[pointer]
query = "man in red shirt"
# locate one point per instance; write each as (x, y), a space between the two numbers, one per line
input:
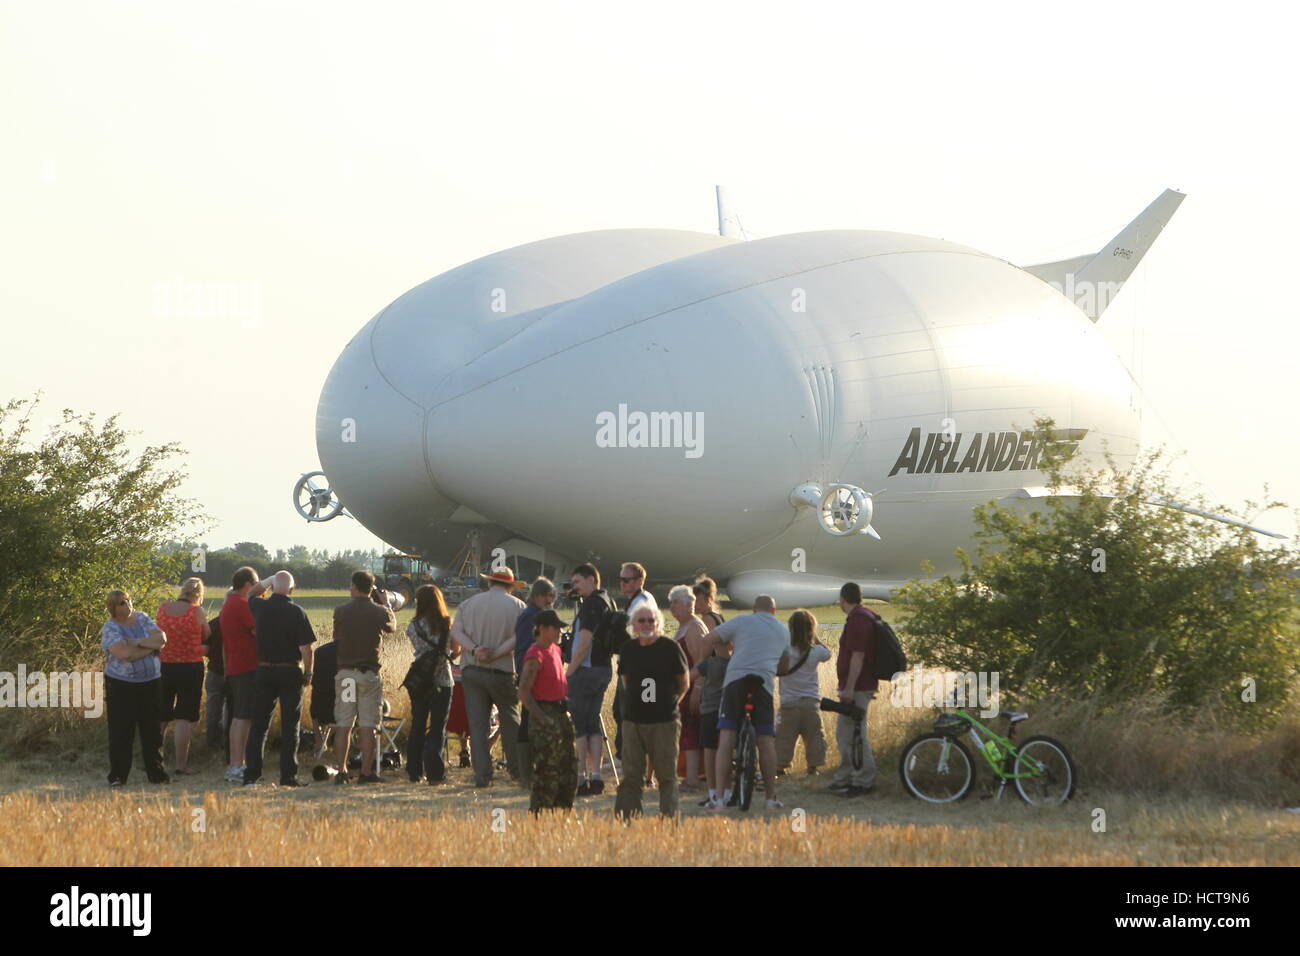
(239, 646)
(854, 668)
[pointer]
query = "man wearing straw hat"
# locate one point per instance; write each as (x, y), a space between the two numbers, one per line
(484, 627)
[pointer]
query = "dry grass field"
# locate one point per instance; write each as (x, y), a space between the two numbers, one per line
(1209, 798)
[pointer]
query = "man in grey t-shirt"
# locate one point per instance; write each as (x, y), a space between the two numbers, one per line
(760, 643)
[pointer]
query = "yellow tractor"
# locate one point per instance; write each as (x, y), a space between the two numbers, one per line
(404, 573)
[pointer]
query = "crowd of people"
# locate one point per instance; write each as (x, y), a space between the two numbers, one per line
(678, 701)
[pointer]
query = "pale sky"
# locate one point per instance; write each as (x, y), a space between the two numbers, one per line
(304, 164)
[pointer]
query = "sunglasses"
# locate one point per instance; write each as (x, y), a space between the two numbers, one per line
(645, 620)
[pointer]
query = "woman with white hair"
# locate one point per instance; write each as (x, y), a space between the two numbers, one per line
(187, 633)
(691, 637)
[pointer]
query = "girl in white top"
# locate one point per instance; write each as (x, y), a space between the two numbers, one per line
(800, 692)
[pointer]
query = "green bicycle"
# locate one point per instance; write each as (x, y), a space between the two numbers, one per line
(938, 768)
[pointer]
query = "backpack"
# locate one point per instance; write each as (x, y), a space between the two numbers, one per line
(611, 632)
(889, 659)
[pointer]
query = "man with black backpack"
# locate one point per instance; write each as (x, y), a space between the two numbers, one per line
(589, 673)
(855, 669)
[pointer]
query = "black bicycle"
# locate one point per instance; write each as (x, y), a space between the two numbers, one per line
(745, 762)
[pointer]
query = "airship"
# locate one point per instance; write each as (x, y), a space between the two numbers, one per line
(783, 414)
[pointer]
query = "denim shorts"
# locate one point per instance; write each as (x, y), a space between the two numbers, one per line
(586, 696)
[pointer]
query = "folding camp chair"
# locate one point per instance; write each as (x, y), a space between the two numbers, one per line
(389, 755)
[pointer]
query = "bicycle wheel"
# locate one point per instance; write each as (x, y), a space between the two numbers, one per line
(937, 769)
(747, 746)
(1053, 770)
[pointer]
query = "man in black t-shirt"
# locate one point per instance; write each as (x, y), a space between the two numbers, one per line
(652, 669)
(284, 645)
(589, 673)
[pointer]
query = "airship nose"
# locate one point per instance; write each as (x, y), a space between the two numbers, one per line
(370, 439)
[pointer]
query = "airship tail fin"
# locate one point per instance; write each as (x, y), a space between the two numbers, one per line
(1092, 281)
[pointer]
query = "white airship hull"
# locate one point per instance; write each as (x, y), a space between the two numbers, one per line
(666, 415)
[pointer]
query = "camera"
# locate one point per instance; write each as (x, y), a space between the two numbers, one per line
(850, 710)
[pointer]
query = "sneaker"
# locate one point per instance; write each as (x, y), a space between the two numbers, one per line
(117, 783)
(705, 802)
(714, 806)
(775, 805)
(584, 789)
(839, 785)
(234, 774)
(855, 791)
(464, 759)
(186, 772)
(249, 784)
(295, 782)
(160, 779)
(813, 772)
(596, 787)
(342, 777)
(369, 778)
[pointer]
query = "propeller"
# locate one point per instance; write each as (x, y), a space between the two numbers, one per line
(847, 509)
(314, 502)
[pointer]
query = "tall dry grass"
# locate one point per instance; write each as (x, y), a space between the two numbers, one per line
(126, 829)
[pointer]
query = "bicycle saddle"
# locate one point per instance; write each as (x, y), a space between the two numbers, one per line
(1013, 716)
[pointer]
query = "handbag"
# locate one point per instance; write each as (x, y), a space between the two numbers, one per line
(419, 679)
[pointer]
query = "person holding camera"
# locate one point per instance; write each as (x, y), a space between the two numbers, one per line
(853, 668)
(800, 713)
(543, 687)
(652, 669)
(589, 672)
(359, 628)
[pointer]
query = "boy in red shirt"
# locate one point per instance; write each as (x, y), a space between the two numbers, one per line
(543, 687)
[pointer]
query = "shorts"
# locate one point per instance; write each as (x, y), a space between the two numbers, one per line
(364, 700)
(182, 689)
(709, 730)
(733, 704)
(586, 697)
(242, 695)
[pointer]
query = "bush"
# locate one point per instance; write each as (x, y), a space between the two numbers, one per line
(1098, 592)
(79, 516)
